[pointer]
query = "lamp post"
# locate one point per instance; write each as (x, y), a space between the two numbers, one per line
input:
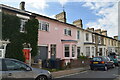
(3, 45)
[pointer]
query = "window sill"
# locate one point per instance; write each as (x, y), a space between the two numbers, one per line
(43, 30)
(68, 35)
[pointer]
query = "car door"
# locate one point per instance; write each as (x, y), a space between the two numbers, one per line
(2, 70)
(17, 70)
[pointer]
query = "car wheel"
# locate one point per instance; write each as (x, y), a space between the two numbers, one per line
(41, 78)
(105, 68)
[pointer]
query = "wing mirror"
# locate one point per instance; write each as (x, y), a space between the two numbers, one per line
(28, 69)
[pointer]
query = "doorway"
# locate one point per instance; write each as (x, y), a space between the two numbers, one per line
(53, 51)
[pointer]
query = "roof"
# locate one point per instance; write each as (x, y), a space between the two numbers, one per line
(35, 14)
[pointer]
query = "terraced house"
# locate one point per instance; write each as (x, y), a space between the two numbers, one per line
(58, 39)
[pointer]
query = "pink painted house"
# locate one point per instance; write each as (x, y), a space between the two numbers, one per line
(56, 39)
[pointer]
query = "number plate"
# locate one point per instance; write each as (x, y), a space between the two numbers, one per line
(95, 62)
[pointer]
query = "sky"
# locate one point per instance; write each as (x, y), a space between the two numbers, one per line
(96, 14)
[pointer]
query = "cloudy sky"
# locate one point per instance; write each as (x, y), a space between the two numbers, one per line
(94, 13)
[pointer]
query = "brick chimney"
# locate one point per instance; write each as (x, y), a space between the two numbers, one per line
(78, 23)
(90, 29)
(61, 16)
(116, 37)
(104, 32)
(98, 31)
(22, 5)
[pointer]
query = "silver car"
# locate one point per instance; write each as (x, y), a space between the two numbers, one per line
(11, 69)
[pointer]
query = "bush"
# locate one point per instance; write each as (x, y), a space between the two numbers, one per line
(82, 57)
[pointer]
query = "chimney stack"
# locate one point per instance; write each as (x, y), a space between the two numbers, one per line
(90, 29)
(104, 32)
(78, 23)
(98, 31)
(61, 16)
(116, 37)
(22, 5)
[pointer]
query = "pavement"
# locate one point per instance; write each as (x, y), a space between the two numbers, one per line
(62, 73)
(84, 73)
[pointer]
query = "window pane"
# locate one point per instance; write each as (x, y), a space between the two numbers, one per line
(73, 51)
(14, 65)
(66, 50)
(78, 34)
(87, 51)
(44, 26)
(87, 37)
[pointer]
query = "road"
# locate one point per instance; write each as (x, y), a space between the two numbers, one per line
(111, 74)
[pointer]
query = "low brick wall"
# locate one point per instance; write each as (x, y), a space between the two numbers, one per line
(79, 63)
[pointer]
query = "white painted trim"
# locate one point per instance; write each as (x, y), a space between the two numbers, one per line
(23, 16)
(43, 45)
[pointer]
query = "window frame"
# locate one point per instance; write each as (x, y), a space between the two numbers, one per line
(22, 25)
(73, 50)
(87, 36)
(67, 32)
(68, 51)
(44, 26)
(78, 34)
(18, 62)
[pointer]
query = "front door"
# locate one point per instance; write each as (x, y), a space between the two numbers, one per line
(42, 52)
(53, 51)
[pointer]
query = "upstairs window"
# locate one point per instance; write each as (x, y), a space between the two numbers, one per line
(93, 38)
(87, 37)
(67, 31)
(99, 39)
(22, 26)
(78, 34)
(44, 26)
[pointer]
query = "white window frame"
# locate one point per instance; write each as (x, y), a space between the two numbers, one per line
(43, 26)
(73, 50)
(78, 34)
(99, 39)
(88, 52)
(93, 38)
(66, 32)
(87, 36)
(66, 45)
(22, 25)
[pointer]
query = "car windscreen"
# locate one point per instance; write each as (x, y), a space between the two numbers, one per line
(97, 59)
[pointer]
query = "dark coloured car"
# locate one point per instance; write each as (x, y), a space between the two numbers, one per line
(101, 62)
(11, 69)
(113, 57)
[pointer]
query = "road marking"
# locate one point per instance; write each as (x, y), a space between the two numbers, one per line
(70, 74)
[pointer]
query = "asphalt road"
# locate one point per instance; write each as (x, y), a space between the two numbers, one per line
(111, 74)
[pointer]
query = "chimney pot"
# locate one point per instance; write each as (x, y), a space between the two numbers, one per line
(78, 23)
(98, 31)
(61, 16)
(104, 32)
(90, 29)
(22, 5)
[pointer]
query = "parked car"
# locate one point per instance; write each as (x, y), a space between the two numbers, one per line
(118, 58)
(101, 62)
(113, 57)
(12, 69)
